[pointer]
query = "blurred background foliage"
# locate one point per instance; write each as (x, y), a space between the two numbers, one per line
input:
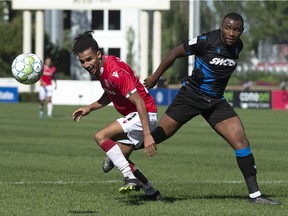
(265, 21)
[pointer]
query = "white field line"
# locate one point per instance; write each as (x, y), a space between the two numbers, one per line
(61, 182)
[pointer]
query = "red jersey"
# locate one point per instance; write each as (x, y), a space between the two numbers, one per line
(48, 73)
(119, 81)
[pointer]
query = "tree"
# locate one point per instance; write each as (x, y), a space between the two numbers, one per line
(207, 17)
(267, 22)
(11, 30)
(175, 31)
(11, 37)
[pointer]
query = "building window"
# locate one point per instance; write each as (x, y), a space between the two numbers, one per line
(114, 51)
(98, 19)
(114, 20)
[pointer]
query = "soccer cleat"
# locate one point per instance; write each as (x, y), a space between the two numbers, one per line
(263, 200)
(129, 185)
(107, 165)
(154, 197)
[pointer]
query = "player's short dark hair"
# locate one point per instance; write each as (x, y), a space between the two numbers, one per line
(234, 16)
(85, 41)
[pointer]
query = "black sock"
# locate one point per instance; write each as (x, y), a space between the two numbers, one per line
(137, 173)
(158, 135)
(248, 168)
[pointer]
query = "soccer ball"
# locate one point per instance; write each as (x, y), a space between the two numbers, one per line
(27, 68)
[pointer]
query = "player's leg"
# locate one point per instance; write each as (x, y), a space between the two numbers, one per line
(233, 132)
(113, 151)
(49, 100)
(49, 107)
(133, 129)
(182, 109)
(42, 96)
(126, 149)
(166, 128)
(150, 192)
(146, 185)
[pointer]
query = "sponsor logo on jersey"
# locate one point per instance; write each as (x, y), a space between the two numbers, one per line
(224, 62)
(203, 37)
(115, 74)
(192, 41)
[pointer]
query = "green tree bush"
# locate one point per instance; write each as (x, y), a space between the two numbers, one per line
(10, 43)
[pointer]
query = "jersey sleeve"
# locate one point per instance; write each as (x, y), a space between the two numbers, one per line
(240, 45)
(124, 82)
(196, 46)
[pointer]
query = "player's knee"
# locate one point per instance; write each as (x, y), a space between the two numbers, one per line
(245, 142)
(158, 134)
(99, 137)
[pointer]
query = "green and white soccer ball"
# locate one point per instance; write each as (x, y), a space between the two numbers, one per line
(27, 68)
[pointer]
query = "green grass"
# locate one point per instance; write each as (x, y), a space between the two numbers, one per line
(52, 166)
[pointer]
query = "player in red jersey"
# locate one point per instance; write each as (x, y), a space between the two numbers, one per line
(46, 88)
(123, 88)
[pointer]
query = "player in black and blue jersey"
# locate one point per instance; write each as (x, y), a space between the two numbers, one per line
(216, 55)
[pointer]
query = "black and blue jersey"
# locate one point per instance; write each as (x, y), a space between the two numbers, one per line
(214, 62)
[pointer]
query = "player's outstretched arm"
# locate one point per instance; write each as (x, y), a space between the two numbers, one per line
(83, 111)
(79, 113)
(166, 62)
(149, 143)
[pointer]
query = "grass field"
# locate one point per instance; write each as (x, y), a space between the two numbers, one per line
(52, 167)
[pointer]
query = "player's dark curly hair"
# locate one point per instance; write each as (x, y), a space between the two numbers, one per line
(85, 41)
(234, 16)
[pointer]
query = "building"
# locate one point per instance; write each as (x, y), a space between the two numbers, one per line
(112, 21)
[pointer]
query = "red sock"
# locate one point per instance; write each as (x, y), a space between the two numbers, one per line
(107, 145)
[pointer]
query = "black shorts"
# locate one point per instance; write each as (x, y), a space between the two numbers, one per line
(189, 103)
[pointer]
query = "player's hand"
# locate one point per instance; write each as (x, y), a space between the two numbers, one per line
(149, 82)
(150, 146)
(79, 113)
